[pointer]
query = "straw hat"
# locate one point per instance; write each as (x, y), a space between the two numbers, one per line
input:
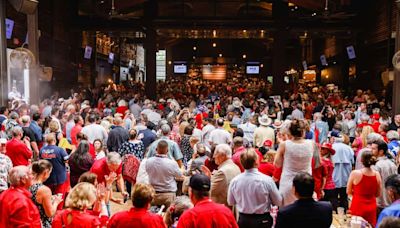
(264, 120)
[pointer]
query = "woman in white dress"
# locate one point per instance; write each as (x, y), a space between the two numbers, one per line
(294, 155)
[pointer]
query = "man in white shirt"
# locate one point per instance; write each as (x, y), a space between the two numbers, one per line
(207, 129)
(248, 130)
(220, 135)
(254, 210)
(95, 131)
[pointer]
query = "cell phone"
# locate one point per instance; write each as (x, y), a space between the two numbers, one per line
(126, 197)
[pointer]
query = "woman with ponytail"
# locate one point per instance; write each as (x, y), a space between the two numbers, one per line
(41, 194)
(364, 184)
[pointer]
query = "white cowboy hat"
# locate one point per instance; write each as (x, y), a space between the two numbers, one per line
(264, 120)
(236, 103)
(262, 100)
(277, 124)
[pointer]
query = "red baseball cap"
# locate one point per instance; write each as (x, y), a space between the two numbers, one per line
(267, 143)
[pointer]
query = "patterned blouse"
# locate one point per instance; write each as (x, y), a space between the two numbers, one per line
(46, 221)
(5, 167)
(135, 148)
(186, 149)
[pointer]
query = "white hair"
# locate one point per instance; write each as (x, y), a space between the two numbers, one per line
(114, 158)
(392, 135)
(17, 174)
(373, 137)
(224, 149)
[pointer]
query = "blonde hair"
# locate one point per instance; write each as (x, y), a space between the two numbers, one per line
(81, 197)
(53, 126)
(142, 195)
(364, 134)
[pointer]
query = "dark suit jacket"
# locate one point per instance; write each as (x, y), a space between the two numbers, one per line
(305, 213)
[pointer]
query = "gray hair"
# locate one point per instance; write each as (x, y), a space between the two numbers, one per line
(392, 135)
(17, 174)
(16, 131)
(372, 137)
(114, 158)
(165, 129)
(224, 149)
(14, 115)
(317, 116)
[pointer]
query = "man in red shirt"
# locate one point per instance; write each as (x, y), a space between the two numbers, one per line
(19, 151)
(16, 207)
(238, 149)
(76, 129)
(106, 166)
(138, 215)
(206, 213)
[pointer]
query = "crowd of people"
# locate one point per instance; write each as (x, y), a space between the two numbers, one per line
(206, 154)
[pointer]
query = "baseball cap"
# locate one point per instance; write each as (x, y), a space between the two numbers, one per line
(267, 143)
(200, 182)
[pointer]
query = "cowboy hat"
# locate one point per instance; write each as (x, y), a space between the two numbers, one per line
(264, 120)
(277, 124)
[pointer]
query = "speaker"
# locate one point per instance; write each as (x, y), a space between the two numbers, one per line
(25, 6)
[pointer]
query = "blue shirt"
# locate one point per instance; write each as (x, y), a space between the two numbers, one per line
(174, 152)
(342, 161)
(392, 210)
(57, 157)
(148, 137)
(36, 130)
(323, 129)
(393, 147)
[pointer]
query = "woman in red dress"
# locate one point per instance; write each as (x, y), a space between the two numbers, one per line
(365, 186)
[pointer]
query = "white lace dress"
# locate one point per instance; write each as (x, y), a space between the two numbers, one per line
(297, 158)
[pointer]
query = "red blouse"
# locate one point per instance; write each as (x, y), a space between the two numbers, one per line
(136, 217)
(80, 219)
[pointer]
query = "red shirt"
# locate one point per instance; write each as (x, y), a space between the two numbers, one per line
(236, 157)
(207, 214)
(136, 217)
(92, 151)
(266, 168)
(327, 163)
(18, 210)
(18, 152)
(121, 110)
(80, 219)
(74, 131)
(100, 168)
(318, 174)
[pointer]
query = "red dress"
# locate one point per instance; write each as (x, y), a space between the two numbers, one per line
(364, 199)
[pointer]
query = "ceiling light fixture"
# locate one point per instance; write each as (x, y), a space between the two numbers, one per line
(214, 44)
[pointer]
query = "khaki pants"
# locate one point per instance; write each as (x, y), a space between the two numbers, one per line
(164, 199)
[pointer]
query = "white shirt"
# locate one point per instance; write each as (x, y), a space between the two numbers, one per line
(248, 130)
(253, 192)
(205, 133)
(220, 136)
(95, 131)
